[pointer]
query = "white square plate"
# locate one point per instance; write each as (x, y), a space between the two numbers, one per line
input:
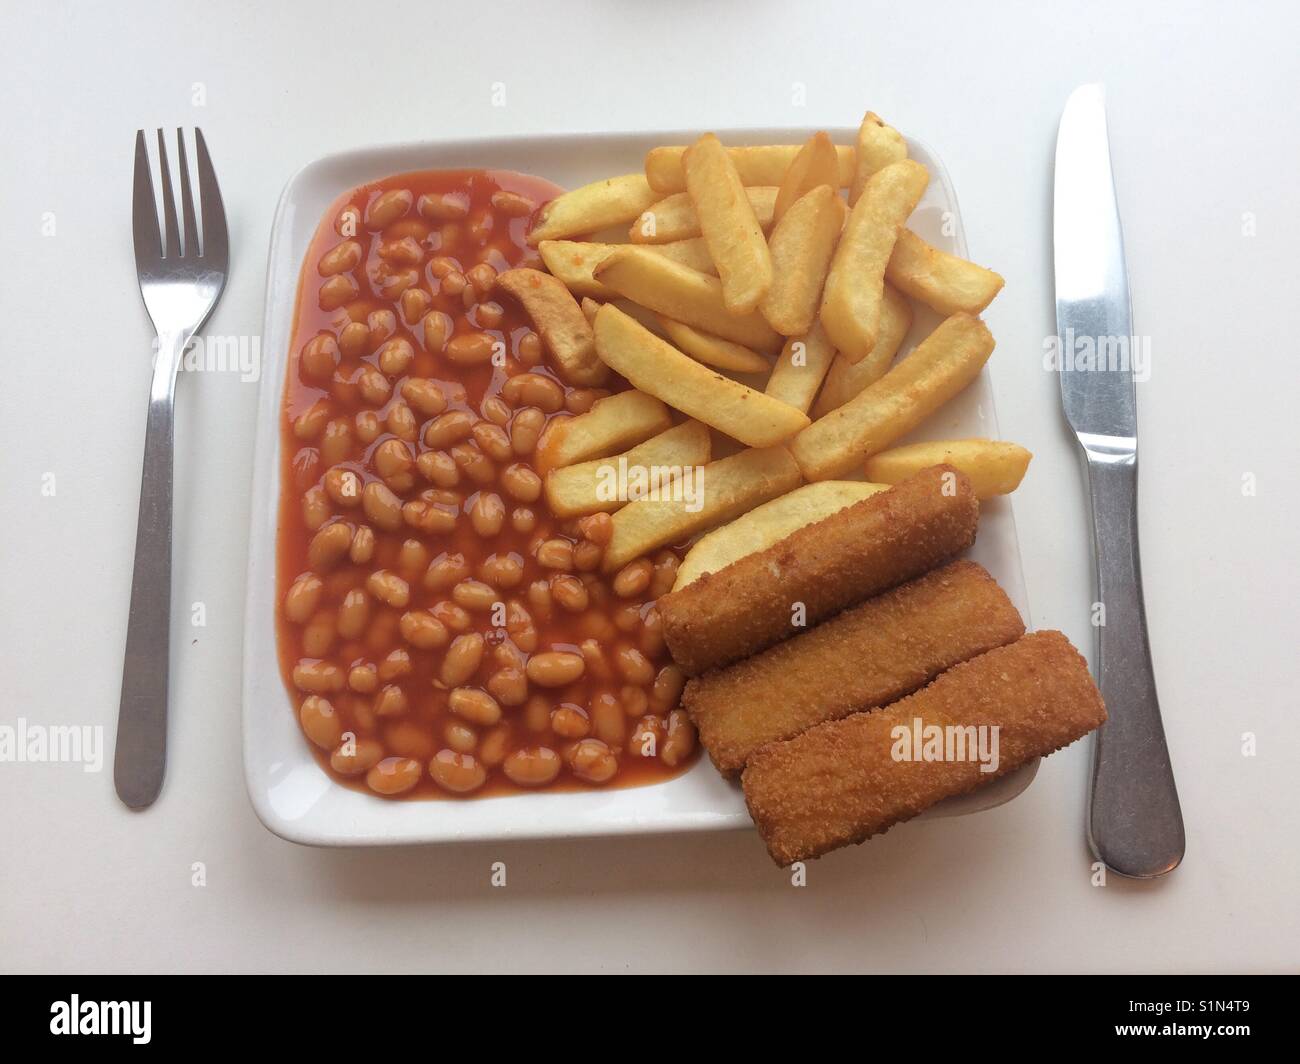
(290, 792)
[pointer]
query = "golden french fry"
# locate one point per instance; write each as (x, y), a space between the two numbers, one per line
(611, 425)
(878, 145)
(607, 483)
(675, 217)
(851, 300)
(683, 294)
(802, 245)
(768, 524)
(994, 467)
(846, 378)
(589, 308)
(801, 367)
(713, 350)
(816, 164)
(948, 284)
(692, 252)
(762, 165)
(572, 262)
(720, 491)
(614, 201)
(940, 367)
(728, 225)
(560, 323)
(655, 366)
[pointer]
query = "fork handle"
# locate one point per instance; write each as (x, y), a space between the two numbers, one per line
(140, 757)
(1135, 824)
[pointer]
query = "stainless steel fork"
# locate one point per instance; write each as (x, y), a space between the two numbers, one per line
(181, 279)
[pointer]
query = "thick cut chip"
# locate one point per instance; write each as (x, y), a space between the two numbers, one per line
(800, 369)
(713, 350)
(945, 282)
(560, 323)
(612, 424)
(614, 201)
(846, 379)
(765, 164)
(816, 164)
(878, 145)
(994, 467)
(801, 249)
(675, 218)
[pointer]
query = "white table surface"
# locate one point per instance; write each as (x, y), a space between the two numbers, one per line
(1203, 136)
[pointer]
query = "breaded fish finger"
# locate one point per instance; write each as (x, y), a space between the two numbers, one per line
(864, 658)
(846, 780)
(821, 569)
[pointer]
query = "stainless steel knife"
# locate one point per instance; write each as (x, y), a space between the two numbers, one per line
(1135, 824)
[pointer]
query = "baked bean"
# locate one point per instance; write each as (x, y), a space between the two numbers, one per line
(473, 463)
(634, 667)
(443, 207)
(302, 598)
(483, 277)
(460, 736)
(390, 588)
(533, 766)
(382, 324)
(665, 574)
(374, 386)
(354, 611)
(319, 357)
(598, 528)
(533, 389)
(520, 482)
(387, 207)
(470, 349)
(438, 467)
(526, 430)
(391, 701)
(481, 225)
(364, 679)
(555, 554)
(339, 290)
(477, 707)
(595, 625)
(529, 349)
(509, 686)
(608, 720)
(319, 634)
(412, 558)
(458, 773)
(316, 508)
(451, 616)
(437, 327)
(502, 571)
(555, 668)
(487, 514)
(429, 517)
(520, 627)
(441, 265)
(328, 546)
(317, 677)
(570, 721)
(415, 304)
(586, 556)
(634, 700)
(462, 660)
(356, 756)
(628, 618)
(421, 629)
(382, 507)
(680, 743)
(512, 204)
(523, 520)
(363, 545)
(368, 426)
(394, 358)
(448, 428)
(311, 422)
(580, 400)
(474, 595)
(537, 714)
(319, 722)
(424, 396)
(343, 486)
(446, 570)
(647, 737)
(633, 578)
(394, 775)
(570, 593)
(341, 258)
(593, 761)
(489, 315)
(402, 251)
(392, 460)
(454, 283)
(493, 441)
(492, 751)
(354, 340)
(594, 657)
(402, 424)
(539, 598)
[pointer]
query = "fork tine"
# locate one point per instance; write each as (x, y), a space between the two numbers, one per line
(144, 209)
(169, 203)
(187, 199)
(215, 244)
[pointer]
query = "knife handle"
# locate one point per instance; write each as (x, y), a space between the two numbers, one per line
(1135, 824)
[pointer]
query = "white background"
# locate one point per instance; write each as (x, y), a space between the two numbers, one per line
(1205, 144)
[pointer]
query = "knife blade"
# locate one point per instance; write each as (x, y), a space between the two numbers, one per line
(1135, 823)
